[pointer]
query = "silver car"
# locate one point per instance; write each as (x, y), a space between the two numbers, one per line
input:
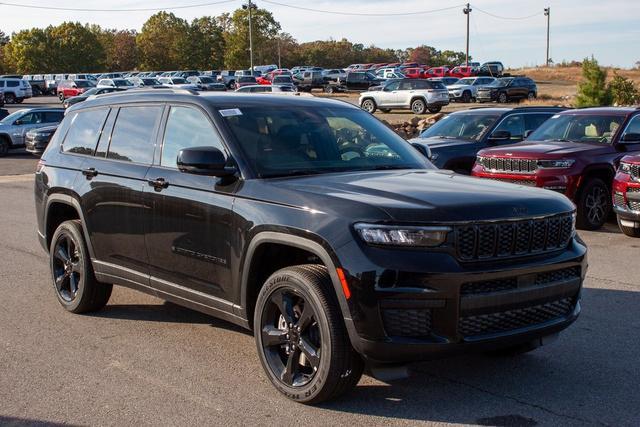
(416, 95)
(466, 89)
(14, 127)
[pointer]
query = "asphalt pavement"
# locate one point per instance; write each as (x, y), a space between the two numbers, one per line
(142, 361)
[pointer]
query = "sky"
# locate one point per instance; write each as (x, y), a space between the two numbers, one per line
(606, 29)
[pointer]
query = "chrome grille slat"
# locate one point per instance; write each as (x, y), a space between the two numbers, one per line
(501, 164)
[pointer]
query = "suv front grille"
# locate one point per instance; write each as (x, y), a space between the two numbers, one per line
(618, 199)
(483, 324)
(634, 205)
(499, 164)
(407, 322)
(635, 171)
(511, 283)
(527, 182)
(513, 238)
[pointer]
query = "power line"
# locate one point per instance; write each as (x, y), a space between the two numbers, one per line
(151, 9)
(332, 12)
(511, 18)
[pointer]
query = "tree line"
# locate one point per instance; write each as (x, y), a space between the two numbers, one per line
(167, 42)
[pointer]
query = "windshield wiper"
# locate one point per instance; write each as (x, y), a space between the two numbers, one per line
(557, 140)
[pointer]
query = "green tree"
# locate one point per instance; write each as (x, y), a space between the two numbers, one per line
(265, 31)
(159, 43)
(592, 90)
(4, 40)
(623, 90)
(29, 51)
(75, 48)
(120, 48)
(204, 45)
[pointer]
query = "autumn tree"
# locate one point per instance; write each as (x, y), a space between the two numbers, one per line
(121, 49)
(265, 31)
(160, 42)
(29, 51)
(203, 45)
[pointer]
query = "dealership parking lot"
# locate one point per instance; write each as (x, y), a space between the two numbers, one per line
(143, 361)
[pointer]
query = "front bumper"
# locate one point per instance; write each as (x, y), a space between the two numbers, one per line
(486, 96)
(35, 146)
(560, 180)
(402, 314)
(626, 198)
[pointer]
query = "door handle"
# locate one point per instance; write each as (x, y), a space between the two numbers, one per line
(158, 184)
(90, 172)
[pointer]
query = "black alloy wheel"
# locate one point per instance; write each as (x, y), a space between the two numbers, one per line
(66, 267)
(502, 98)
(301, 337)
(291, 338)
(72, 275)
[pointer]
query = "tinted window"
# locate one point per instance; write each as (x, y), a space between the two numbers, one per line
(469, 126)
(579, 128)
(406, 85)
(421, 84)
(633, 126)
(32, 119)
(186, 127)
(132, 137)
(53, 116)
(533, 121)
(85, 131)
(513, 124)
(12, 83)
(393, 86)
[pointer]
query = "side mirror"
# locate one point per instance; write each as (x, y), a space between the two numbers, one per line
(500, 135)
(423, 149)
(204, 161)
(631, 137)
(527, 133)
(17, 122)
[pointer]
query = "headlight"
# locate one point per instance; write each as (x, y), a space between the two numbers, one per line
(402, 235)
(625, 168)
(556, 164)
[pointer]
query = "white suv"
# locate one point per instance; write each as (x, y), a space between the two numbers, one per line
(414, 94)
(466, 89)
(15, 90)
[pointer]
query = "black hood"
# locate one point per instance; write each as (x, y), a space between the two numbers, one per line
(417, 196)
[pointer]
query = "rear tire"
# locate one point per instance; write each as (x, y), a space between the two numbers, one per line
(385, 110)
(72, 275)
(434, 110)
(4, 147)
(629, 231)
(531, 96)
(418, 106)
(466, 97)
(36, 91)
(303, 296)
(502, 98)
(594, 205)
(9, 98)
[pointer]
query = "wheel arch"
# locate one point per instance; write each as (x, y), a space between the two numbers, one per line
(60, 208)
(249, 287)
(420, 97)
(604, 172)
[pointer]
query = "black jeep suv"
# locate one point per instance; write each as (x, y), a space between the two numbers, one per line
(454, 141)
(309, 222)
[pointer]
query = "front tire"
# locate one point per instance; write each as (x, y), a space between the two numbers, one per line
(466, 97)
(72, 276)
(369, 105)
(4, 147)
(594, 205)
(301, 338)
(9, 98)
(629, 231)
(502, 98)
(418, 106)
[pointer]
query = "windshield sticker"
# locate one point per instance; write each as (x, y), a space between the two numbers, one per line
(231, 112)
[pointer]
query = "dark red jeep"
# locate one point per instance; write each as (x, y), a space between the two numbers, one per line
(575, 152)
(626, 194)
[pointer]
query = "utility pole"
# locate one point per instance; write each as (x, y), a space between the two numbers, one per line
(547, 13)
(250, 7)
(467, 11)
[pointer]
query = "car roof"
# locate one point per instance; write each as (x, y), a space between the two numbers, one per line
(623, 111)
(504, 110)
(211, 99)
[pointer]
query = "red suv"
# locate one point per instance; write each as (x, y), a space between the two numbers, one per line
(462, 71)
(414, 73)
(626, 193)
(575, 152)
(70, 88)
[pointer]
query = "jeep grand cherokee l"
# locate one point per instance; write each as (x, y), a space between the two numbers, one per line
(306, 220)
(626, 194)
(507, 89)
(575, 152)
(417, 95)
(454, 141)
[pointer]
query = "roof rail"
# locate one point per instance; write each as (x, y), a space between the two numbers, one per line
(151, 90)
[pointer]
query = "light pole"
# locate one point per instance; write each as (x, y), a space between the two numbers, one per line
(467, 11)
(547, 13)
(250, 7)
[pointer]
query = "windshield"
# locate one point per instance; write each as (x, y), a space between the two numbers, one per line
(83, 83)
(471, 127)
(247, 79)
(466, 81)
(206, 79)
(90, 92)
(310, 140)
(150, 82)
(12, 117)
(122, 83)
(282, 79)
(500, 82)
(578, 128)
(179, 81)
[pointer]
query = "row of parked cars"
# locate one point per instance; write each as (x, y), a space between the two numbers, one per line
(589, 155)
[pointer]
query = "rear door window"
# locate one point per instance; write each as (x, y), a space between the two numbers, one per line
(132, 139)
(513, 124)
(84, 132)
(53, 116)
(533, 121)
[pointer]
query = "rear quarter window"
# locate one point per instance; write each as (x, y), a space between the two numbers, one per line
(84, 131)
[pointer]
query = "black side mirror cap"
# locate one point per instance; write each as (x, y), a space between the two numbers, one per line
(208, 161)
(631, 137)
(500, 135)
(527, 133)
